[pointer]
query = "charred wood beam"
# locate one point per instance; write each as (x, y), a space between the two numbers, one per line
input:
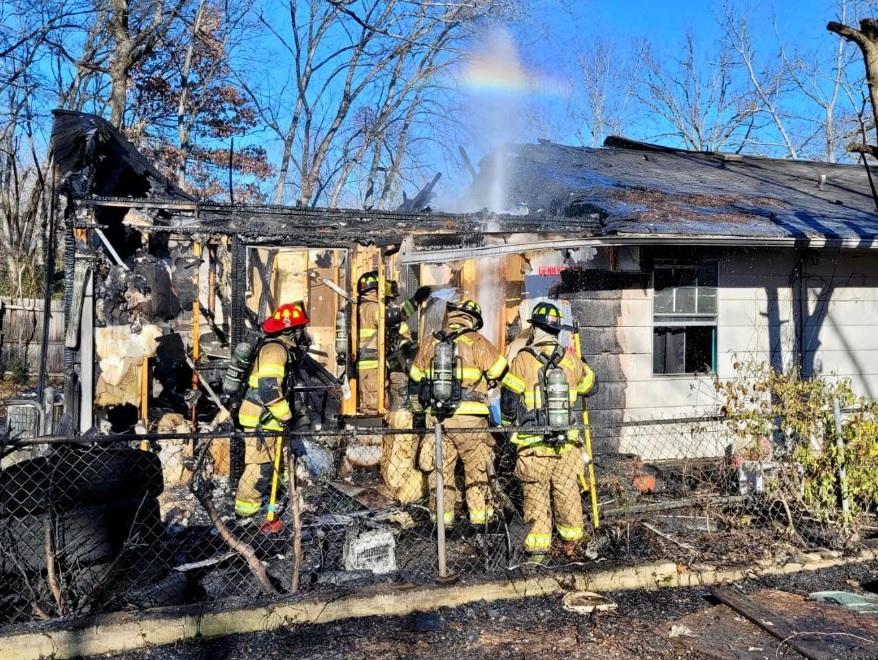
(239, 289)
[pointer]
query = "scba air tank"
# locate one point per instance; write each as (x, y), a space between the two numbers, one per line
(242, 357)
(341, 336)
(557, 398)
(443, 372)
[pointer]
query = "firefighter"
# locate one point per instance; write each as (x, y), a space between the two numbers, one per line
(454, 371)
(398, 459)
(544, 391)
(266, 405)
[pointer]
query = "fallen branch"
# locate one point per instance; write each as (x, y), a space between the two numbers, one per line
(297, 520)
(52, 568)
(786, 640)
(667, 537)
(237, 545)
(791, 527)
(191, 566)
(38, 611)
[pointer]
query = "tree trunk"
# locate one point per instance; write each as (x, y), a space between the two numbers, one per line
(866, 39)
(121, 64)
(284, 169)
(182, 124)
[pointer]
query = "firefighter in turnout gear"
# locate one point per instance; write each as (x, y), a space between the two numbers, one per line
(544, 390)
(398, 460)
(454, 370)
(266, 408)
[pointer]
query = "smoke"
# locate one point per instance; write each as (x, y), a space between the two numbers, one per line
(500, 91)
(497, 84)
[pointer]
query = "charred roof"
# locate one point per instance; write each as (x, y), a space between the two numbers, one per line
(642, 189)
(626, 189)
(93, 158)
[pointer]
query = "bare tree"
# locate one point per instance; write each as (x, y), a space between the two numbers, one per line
(697, 101)
(827, 85)
(30, 33)
(186, 107)
(135, 34)
(767, 84)
(602, 108)
(866, 39)
(356, 70)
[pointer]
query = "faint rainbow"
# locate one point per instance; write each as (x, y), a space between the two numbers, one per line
(489, 77)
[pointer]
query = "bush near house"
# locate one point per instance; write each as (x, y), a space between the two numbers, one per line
(794, 417)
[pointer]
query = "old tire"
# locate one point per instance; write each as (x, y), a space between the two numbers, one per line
(74, 478)
(83, 537)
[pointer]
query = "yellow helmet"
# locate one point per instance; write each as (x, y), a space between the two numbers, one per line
(546, 316)
(470, 307)
(369, 282)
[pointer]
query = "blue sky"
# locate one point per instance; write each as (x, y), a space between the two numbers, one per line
(545, 41)
(571, 24)
(552, 32)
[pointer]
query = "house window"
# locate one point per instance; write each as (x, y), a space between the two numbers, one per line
(684, 318)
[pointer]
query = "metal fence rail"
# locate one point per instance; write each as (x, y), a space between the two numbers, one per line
(92, 524)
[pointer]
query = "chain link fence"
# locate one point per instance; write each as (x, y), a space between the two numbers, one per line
(96, 524)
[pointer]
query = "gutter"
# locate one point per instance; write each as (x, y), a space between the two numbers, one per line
(409, 255)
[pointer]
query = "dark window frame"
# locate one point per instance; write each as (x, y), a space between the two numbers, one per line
(687, 323)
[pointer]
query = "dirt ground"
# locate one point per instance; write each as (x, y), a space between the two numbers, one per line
(529, 628)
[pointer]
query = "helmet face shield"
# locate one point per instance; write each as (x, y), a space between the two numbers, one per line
(391, 289)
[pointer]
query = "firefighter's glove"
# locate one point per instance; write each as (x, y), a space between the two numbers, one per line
(422, 294)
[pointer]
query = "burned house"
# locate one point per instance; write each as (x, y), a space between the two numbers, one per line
(674, 267)
(678, 267)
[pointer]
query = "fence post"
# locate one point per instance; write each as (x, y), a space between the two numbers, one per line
(440, 500)
(48, 410)
(839, 444)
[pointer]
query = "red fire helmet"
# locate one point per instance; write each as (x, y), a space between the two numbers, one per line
(286, 317)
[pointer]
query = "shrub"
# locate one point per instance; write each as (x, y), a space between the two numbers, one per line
(19, 372)
(796, 415)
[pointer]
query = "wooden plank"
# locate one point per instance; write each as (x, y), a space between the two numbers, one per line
(818, 632)
(722, 634)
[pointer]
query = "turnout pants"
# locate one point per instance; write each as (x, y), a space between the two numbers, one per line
(550, 484)
(474, 450)
(367, 385)
(399, 459)
(255, 481)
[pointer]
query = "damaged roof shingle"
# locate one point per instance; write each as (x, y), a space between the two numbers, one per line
(638, 188)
